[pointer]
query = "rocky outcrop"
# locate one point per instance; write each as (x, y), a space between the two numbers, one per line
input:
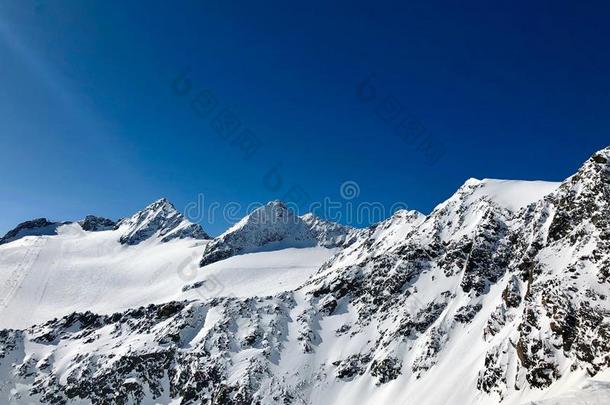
(484, 301)
(91, 223)
(35, 227)
(186, 353)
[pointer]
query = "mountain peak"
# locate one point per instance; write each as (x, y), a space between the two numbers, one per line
(161, 219)
(472, 182)
(34, 227)
(161, 203)
(272, 212)
(592, 177)
(277, 204)
(600, 160)
(483, 300)
(602, 156)
(268, 227)
(310, 216)
(94, 223)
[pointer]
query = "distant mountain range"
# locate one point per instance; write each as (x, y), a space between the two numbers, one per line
(500, 295)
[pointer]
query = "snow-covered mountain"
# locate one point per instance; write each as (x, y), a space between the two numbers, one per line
(95, 224)
(272, 227)
(86, 265)
(160, 219)
(269, 227)
(35, 227)
(500, 295)
(331, 234)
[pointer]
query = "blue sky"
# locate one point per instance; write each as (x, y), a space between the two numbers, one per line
(92, 121)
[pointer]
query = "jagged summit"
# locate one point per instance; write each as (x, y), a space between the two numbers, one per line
(273, 213)
(93, 223)
(274, 226)
(602, 156)
(581, 203)
(35, 227)
(378, 239)
(500, 296)
(160, 219)
(270, 226)
(530, 284)
(595, 169)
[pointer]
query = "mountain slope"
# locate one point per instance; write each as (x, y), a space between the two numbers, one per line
(54, 276)
(331, 234)
(500, 295)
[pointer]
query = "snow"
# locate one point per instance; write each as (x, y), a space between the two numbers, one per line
(510, 194)
(396, 228)
(593, 392)
(35, 227)
(269, 227)
(461, 214)
(52, 276)
(160, 219)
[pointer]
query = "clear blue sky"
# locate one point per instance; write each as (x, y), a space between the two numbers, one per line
(89, 122)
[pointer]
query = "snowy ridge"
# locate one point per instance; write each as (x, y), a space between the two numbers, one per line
(95, 224)
(274, 226)
(160, 219)
(35, 227)
(512, 195)
(76, 271)
(500, 295)
(331, 234)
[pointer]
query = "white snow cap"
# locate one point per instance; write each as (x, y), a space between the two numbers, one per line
(510, 194)
(159, 219)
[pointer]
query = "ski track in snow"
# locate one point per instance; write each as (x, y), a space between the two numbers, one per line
(80, 271)
(21, 270)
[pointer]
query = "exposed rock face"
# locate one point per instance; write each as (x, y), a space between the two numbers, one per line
(493, 300)
(274, 226)
(92, 223)
(271, 226)
(176, 359)
(160, 219)
(331, 234)
(35, 227)
(549, 260)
